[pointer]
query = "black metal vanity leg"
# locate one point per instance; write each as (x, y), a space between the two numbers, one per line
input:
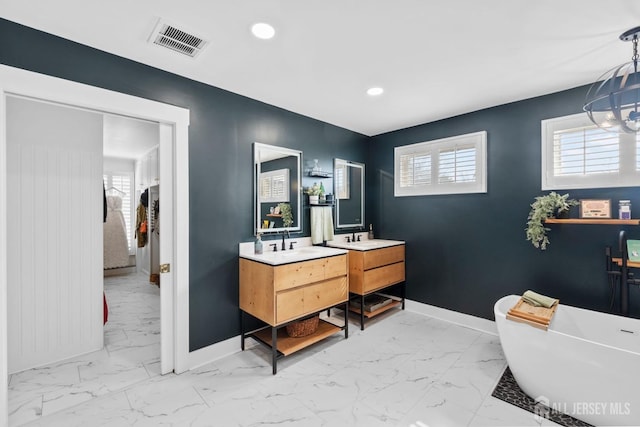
(274, 349)
(241, 330)
(404, 293)
(346, 320)
(362, 312)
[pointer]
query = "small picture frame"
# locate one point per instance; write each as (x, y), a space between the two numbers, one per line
(595, 208)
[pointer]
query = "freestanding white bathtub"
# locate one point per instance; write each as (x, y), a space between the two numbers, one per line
(586, 365)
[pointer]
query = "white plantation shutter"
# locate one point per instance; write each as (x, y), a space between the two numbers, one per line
(585, 151)
(445, 166)
(578, 154)
(415, 170)
(341, 182)
(274, 186)
(457, 165)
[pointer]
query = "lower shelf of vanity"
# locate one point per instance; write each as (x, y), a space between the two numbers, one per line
(370, 314)
(287, 345)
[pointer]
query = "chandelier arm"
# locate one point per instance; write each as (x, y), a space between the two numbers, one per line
(617, 93)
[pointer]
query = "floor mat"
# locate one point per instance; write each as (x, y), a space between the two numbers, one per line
(508, 391)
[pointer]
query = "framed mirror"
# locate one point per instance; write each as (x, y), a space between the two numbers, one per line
(348, 189)
(276, 188)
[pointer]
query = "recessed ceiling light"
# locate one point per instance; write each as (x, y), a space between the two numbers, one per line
(263, 31)
(375, 91)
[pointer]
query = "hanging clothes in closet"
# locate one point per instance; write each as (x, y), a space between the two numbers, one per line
(155, 217)
(116, 246)
(141, 219)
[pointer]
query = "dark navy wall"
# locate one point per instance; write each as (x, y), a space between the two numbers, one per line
(466, 251)
(223, 127)
(463, 251)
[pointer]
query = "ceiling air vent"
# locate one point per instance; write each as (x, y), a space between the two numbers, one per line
(178, 40)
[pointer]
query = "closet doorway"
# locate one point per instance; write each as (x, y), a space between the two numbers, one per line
(174, 170)
(55, 166)
(131, 253)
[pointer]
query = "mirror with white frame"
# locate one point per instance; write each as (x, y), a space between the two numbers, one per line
(348, 188)
(276, 185)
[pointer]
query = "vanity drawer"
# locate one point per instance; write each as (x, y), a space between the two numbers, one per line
(301, 273)
(335, 266)
(384, 256)
(378, 278)
(298, 302)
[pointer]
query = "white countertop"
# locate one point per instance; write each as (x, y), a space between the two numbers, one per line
(302, 251)
(363, 244)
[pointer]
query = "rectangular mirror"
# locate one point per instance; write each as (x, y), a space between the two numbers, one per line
(348, 188)
(276, 187)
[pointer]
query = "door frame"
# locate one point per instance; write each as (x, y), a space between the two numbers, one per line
(174, 299)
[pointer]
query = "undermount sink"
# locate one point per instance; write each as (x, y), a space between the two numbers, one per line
(303, 253)
(364, 245)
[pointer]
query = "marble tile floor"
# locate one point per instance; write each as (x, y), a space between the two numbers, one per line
(404, 369)
(131, 354)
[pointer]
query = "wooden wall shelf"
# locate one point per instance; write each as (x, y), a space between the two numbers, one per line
(593, 221)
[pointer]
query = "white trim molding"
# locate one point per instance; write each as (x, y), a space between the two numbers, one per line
(4, 357)
(466, 320)
(217, 351)
(18, 82)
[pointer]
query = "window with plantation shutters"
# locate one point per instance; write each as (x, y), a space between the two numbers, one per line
(578, 154)
(341, 182)
(452, 165)
(274, 186)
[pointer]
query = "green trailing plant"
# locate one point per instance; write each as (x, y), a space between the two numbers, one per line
(286, 213)
(544, 207)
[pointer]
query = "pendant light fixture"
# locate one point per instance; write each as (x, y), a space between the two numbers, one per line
(613, 101)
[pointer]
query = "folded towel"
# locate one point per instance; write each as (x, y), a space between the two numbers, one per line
(538, 300)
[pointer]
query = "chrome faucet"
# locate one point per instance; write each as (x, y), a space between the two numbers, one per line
(288, 236)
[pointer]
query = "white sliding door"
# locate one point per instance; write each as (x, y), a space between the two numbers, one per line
(54, 232)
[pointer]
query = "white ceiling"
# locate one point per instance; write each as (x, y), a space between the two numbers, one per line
(128, 138)
(434, 59)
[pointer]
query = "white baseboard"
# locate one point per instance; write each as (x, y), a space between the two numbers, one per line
(232, 345)
(216, 351)
(466, 320)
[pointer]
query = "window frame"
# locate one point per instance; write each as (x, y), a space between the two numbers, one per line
(477, 140)
(627, 176)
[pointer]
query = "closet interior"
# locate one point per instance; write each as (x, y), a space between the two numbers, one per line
(131, 181)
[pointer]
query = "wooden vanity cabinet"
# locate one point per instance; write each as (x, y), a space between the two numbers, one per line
(374, 270)
(281, 294)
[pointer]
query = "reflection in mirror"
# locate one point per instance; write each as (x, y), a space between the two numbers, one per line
(348, 183)
(276, 188)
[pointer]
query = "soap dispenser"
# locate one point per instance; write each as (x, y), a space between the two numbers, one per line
(370, 232)
(257, 246)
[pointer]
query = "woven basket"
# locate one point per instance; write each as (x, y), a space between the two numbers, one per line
(303, 327)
